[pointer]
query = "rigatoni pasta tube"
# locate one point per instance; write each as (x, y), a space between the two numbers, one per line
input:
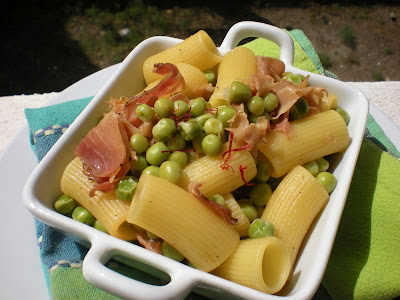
(312, 137)
(262, 264)
(217, 180)
(183, 221)
(197, 50)
(105, 207)
(236, 65)
(194, 78)
(293, 206)
(242, 222)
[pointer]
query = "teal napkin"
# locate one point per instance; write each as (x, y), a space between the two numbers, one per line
(364, 263)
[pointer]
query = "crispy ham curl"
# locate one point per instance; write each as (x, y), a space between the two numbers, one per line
(222, 212)
(246, 133)
(173, 82)
(105, 150)
(270, 66)
(154, 245)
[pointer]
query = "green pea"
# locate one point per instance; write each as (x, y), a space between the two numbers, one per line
(255, 105)
(211, 77)
(260, 229)
(225, 113)
(270, 102)
(152, 170)
(82, 215)
(139, 143)
(217, 198)
(152, 235)
(164, 130)
(170, 252)
(345, 115)
(197, 142)
(157, 154)
(274, 182)
(64, 205)
(248, 209)
(180, 108)
(252, 118)
(137, 166)
(144, 112)
(263, 171)
(299, 110)
(295, 78)
(171, 171)
(211, 145)
(327, 180)
(180, 157)
(203, 118)
(197, 107)
(260, 194)
(163, 107)
(176, 143)
(312, 167)
(126, 188)
(239, 92)
(190, 129)
(213, 126)
(260, 210)
(192, 156)
(323, 164)
(99, 226)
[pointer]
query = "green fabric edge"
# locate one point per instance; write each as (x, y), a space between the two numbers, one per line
(374, 131)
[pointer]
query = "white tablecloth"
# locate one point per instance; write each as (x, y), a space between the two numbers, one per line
(385, 95)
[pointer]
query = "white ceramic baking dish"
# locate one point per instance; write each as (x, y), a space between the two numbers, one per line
(42, 189)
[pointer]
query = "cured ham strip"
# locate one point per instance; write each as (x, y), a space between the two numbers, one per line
(222, 212)
(270, 66)
(246, 133)
(171, 83)
(153, 245)
(287, 97)
(313, 95)
(103, 150)
(262, 84)
(283, 125)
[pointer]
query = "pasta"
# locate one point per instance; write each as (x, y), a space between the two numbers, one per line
(242, 225)
(230, 182)
(262, 264)
(217, 180)
(183, 221)
(198, 50)
(313, 137)
(193, 79)
(105, 207)
(293, 206)
(238, 64)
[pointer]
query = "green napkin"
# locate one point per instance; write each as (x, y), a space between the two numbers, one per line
(365, 260)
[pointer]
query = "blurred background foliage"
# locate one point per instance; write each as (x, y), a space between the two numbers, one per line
(48, 45)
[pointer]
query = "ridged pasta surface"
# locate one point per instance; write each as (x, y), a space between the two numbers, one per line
(105, 207)
(293, 207)
(313, 137)
(197, 50)
(182, 220)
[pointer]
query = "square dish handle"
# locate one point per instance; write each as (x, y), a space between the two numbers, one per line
(246, 29)
(97, 273)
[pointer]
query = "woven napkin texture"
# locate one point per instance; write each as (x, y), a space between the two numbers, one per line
(365, 260)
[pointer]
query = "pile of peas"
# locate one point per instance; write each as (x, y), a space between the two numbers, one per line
(186, 130)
